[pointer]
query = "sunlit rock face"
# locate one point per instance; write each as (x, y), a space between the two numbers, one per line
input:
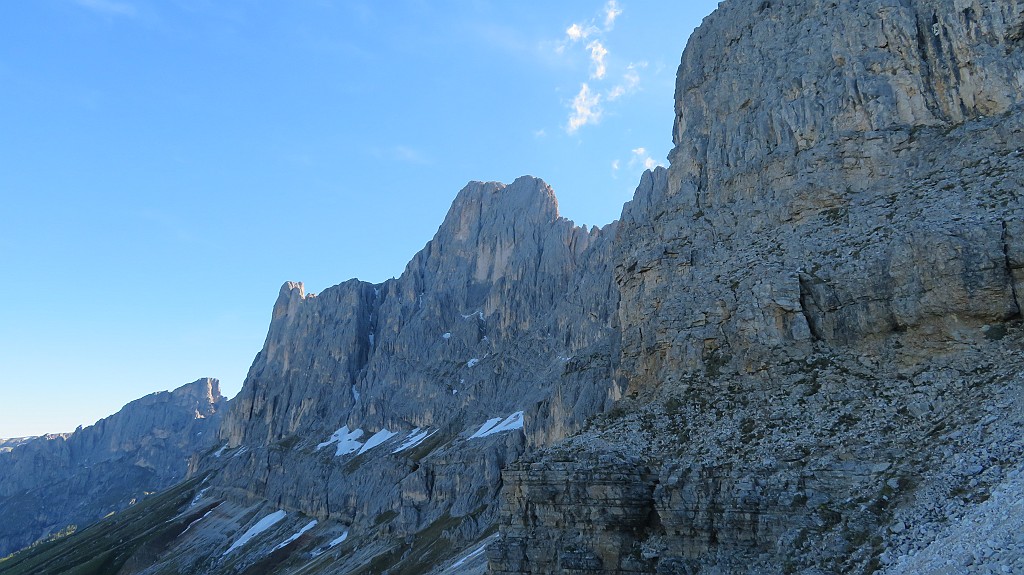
(48, 483)
(819, 303)
(798, 351)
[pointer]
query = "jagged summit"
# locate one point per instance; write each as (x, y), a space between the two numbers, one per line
(528, 200)
(799, 351)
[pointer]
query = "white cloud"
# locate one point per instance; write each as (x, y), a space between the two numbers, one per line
(611, 12)
(586, 109)
(640, 157)
(577, 32)
(108, 7)
(615, 165)
(540, 133)
(597, 54)
(630, 82)
(607, 82)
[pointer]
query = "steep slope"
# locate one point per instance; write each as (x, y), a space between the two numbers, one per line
(49, 483)
(372, 427)
(820, 306)
(806, 334)
(505, 311)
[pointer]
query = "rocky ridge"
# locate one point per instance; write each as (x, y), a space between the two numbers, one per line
(387, 411)
(53, 482)
(800, 350)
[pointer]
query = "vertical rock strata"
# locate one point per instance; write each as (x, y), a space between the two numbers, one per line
(819, 305)
(509, 308)
(804, 337)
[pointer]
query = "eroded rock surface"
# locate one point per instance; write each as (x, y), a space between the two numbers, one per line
(819, 300)
(48, 483)
(506, 316)
(805, 336)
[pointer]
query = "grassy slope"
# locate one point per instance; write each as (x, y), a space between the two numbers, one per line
(103, 548)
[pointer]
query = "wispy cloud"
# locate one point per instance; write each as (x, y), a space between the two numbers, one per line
(578, 32)
(110, 7)
(410, 156)
(597, 55)
(611, 12)
(592, 35)
(630, 81)
(586, 109)
(640, 157)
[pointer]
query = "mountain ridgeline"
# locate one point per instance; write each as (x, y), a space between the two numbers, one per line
(799, 350)
(60, 482)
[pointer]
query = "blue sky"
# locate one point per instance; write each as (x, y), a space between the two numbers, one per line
(165, 165)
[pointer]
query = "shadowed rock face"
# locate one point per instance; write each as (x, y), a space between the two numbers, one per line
(509, 308)
(50, 482)
(805, 335)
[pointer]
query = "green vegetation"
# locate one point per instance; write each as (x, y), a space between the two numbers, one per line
(105, 547)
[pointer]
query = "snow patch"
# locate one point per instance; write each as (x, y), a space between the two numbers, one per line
(338, 541)
(447, 335)
(355, 394)
(261, 526)
(473, 554)
(415, 437)
(499, 425)
(485, 428)
(220, 451)
(308, 526)
(472, 362)
(198, 520)
(345, 439)
(198, 496)
(378, 438)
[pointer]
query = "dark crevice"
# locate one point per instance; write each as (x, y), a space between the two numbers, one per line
(1010, 272)
(1017, 35)
(807, 301)
(924, 31)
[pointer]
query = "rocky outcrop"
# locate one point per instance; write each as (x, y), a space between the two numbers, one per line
(73, 479)
(854, 185)
(804, 337)
(372, 428)
(818, 298)
(506, 316)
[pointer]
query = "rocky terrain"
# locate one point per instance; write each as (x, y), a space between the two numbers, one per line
(59, 482)
(819, 304)
(800, 350)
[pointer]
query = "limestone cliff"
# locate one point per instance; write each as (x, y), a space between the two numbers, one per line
(800, 350)
(48, 483)
(390, 409)
(820, 310)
